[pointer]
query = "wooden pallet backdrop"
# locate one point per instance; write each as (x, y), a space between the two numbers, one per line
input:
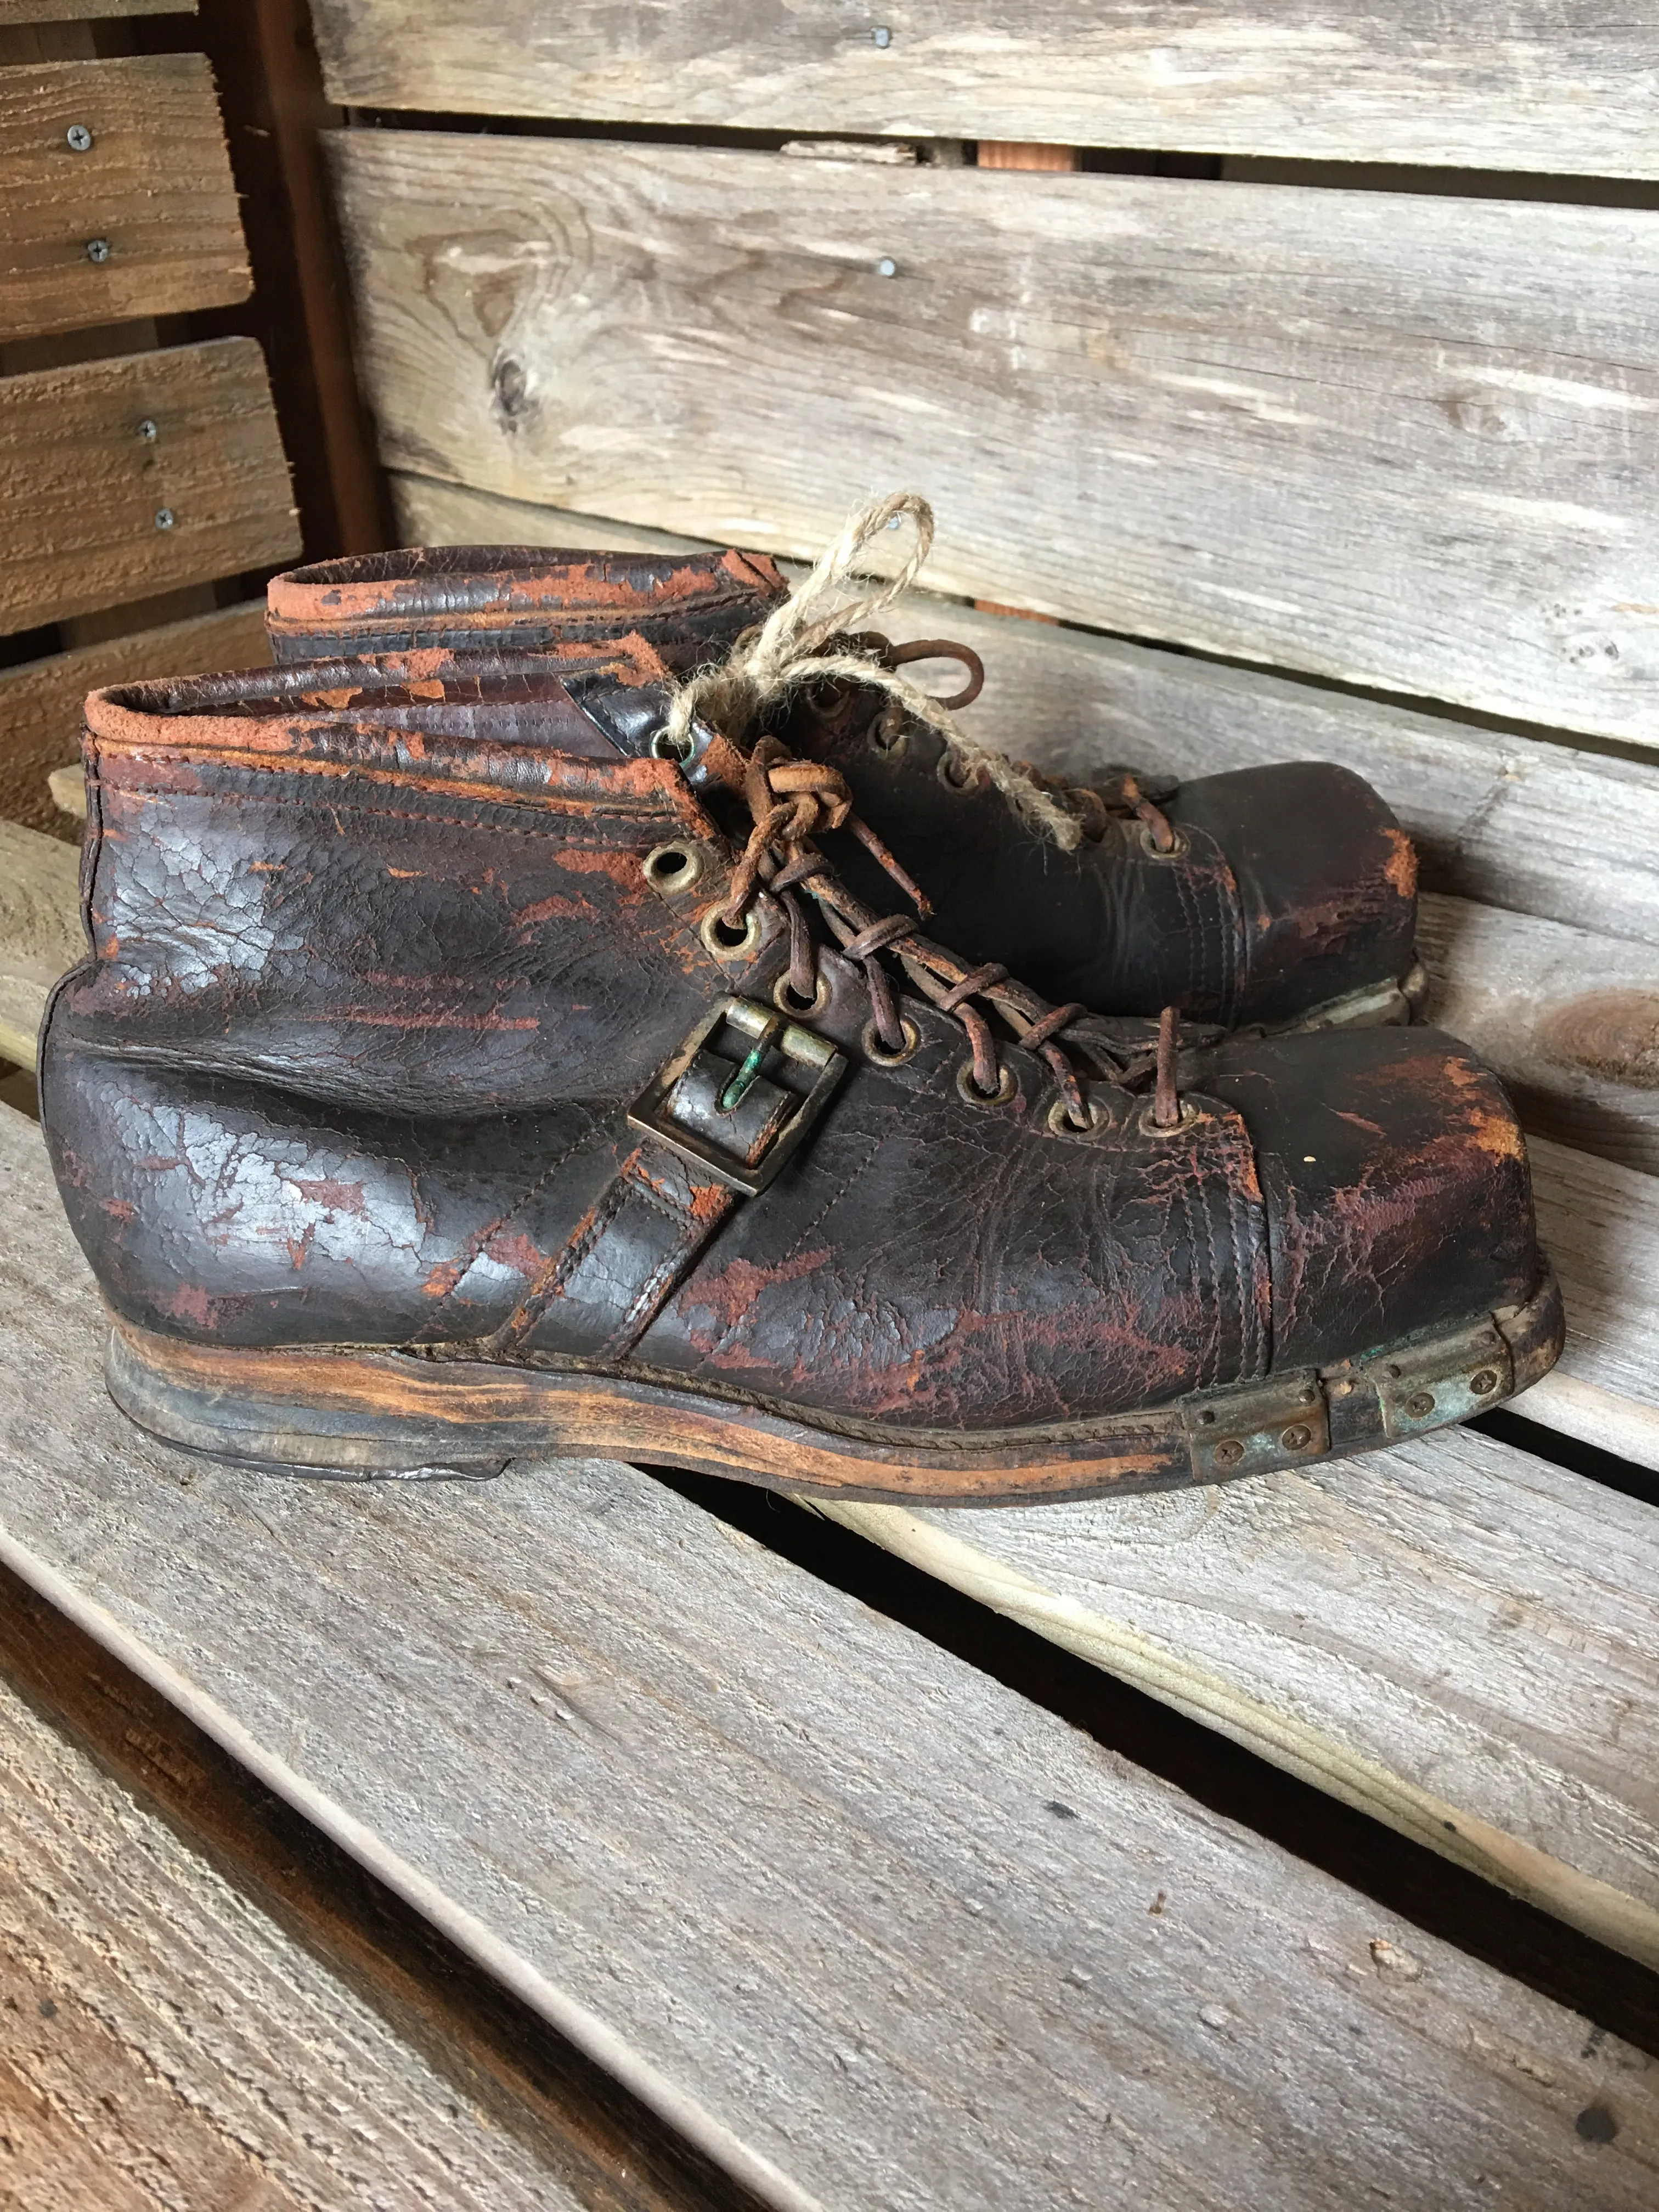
(1346, 463)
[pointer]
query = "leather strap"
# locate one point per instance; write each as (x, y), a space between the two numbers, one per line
(621, 1260)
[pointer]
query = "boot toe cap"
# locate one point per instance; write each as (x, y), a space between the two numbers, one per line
(1394, 1177)
(1327, 882)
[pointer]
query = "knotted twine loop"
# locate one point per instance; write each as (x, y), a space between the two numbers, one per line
(788, 650)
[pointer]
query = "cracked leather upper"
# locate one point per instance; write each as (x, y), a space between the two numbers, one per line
(367, 1005)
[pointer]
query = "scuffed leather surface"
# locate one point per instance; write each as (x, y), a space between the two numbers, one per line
(368, 1004)
(689, 606)
(1296, 885)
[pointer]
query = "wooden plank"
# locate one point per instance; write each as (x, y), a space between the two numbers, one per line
(67, 11)
(40, 932)
(141, 220)
(876, 1928)
(1545, 829)
(1491, 86)
(1599, 1224)
(83, 487)
(40, 700)
(163, 2038)
(1570, 1019)
(1456, 1637)
(1396, 439)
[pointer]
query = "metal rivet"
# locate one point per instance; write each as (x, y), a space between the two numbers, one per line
(148, 431)
(1294, 1437)
(80, 138)
(1482, 1382)
(881, 36)
(98, 249)
(1419, 1404)
(886, 266)
(164, 517)
(1229, 1452)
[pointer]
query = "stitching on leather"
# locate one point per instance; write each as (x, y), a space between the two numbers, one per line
(566, 836)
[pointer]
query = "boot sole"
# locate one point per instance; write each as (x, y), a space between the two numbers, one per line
(364, 1415)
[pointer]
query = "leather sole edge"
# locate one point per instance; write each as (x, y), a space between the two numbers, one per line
(368, 1415)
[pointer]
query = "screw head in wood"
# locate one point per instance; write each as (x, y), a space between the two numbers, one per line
(80, 138)
(1229, 1452)
(98, 249)
(1295, 1436)
(148, 431)
(1420, 1404)
(164, 517)
(1483, 1383)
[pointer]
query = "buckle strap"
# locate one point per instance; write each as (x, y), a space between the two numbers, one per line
(716, 1123)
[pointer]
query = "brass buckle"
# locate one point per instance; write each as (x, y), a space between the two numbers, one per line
(804, 1064)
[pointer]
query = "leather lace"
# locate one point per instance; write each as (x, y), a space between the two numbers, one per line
(789, 799)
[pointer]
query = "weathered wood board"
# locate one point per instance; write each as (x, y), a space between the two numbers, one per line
(880, 1930)
(69, 11)
(84, 487)
(164, 2043)
(1545, 829)
(40, 700)
(41, 932)
(1492, 87)
(1569, 1017)
(141, 220)
(1400, 440)
(1455, 1637)
(1599, 1224)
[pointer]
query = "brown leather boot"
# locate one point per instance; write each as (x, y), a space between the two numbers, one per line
(437, 1091)
(1282, 896)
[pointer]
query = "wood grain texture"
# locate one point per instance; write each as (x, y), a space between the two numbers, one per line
(166, 2046)
(884, 1923)
(1528, 86)
(1400, 440)
(1545, 829)
(41, 933)
(1454, 1637)
(154, 186)
(1599, 1224)
(40, 700)
(1570, 1019)
(80, 486)
(67, 11)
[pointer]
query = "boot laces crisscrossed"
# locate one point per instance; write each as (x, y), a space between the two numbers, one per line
(788, 800)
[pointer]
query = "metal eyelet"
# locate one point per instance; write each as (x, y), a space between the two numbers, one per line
(733, 947)
(1060, 1123)
(1150, 1127)
(878, 1055)
(970, 1094)
(887, 734)
(673, 867)
(1182, 844)
(961, 785)
(783, 998)
(665, 746)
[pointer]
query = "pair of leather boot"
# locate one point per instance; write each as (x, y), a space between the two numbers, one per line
(499, 1038)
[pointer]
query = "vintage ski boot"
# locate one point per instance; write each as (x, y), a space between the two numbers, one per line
(437, 1092)
(1282, 898)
